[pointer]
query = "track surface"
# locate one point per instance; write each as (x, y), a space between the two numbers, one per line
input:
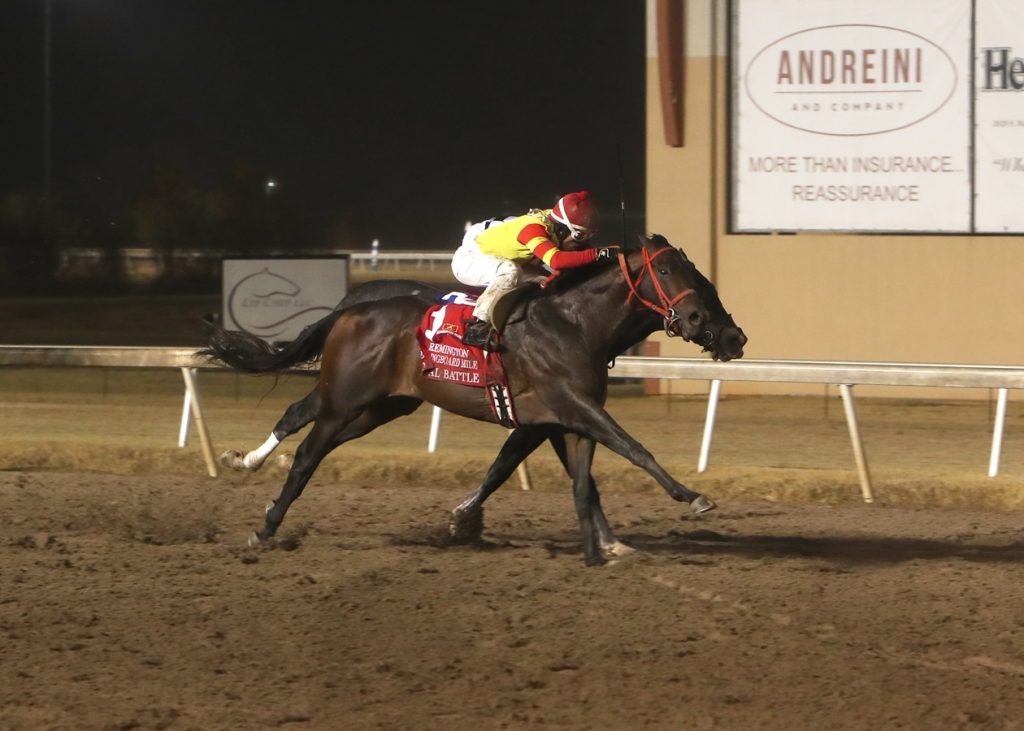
(129, 602)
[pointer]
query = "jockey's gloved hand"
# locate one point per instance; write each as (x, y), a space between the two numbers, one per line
(607, 253)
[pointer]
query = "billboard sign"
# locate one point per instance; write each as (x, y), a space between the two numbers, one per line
(999, 116)
(852, 116)
(274, 299)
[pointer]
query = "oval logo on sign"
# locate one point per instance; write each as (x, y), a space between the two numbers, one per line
(850, 80)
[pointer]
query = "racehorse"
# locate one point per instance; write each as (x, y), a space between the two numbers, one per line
(556, 347)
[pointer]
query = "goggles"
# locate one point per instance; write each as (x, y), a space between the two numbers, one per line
(578, 233)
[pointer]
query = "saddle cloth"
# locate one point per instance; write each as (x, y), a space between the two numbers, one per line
(444, 357)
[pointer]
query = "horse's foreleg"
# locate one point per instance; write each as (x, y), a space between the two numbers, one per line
(295, 417)
(592, 420)
(466, 521)
(580, 459)
(610, 546)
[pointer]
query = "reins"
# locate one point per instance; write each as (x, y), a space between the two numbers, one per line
(666, 303)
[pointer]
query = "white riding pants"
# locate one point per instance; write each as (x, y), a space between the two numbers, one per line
(474, 268)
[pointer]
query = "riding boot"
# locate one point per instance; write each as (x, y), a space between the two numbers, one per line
(478, 334)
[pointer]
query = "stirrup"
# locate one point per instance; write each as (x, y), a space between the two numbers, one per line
(479, 334)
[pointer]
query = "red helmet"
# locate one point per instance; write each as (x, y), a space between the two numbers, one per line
(577, 212)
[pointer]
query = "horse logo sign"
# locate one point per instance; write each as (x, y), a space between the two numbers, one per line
(274, 299)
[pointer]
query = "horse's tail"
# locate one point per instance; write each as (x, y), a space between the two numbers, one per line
(245, 352)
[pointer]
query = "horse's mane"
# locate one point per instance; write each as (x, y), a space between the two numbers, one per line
(569, 278)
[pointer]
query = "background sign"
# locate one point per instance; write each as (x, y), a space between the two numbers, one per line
(275, 298)
(999, 116)
(851, 116)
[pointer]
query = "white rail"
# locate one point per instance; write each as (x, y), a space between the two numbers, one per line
(826, 372)
(845, 375)
(396, 259)
(393, 256)
(111, 357)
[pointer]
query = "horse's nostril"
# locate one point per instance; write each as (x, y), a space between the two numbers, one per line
(695, 319)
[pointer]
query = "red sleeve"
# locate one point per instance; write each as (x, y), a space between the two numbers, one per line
(573, 259)
(535, 238)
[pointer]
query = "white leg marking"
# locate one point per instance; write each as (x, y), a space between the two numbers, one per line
(254, 459)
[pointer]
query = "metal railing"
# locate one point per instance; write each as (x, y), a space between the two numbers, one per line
(74, 356)
(844, 374)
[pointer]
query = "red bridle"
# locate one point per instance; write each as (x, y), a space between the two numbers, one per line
(665, 305)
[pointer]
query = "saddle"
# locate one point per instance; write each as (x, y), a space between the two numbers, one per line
(503, 307)
(487, 335)
(446, 357)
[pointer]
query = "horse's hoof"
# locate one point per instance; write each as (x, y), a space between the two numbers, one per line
(617, 549)
(253, 540)
(596, 560)
(232, 459)
(702, 504)
(466, 526)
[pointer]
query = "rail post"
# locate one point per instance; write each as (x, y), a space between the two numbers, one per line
(197, 413)
(858, 446)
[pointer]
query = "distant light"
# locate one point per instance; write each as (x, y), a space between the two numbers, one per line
(270, 184)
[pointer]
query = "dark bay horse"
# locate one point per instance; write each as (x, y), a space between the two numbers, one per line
(556, 349)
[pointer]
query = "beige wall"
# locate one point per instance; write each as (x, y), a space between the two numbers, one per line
(935, 299)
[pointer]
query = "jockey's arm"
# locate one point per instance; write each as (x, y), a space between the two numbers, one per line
(535, 238)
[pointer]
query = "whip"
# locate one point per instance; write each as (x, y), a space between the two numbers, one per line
(622, 191)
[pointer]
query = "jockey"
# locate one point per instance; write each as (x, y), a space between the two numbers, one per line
(496, 254)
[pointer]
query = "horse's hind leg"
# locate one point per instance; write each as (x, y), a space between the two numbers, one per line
(295, 417)
(610, 546)
(327, 434)
(467, 522)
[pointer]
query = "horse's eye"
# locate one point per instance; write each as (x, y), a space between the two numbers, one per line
(662, 271)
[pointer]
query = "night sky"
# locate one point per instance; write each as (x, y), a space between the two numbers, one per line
(396, 120)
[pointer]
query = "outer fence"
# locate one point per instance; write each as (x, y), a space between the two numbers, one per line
(845, 375)
(395, 259)
(110, 357)
(142, 264)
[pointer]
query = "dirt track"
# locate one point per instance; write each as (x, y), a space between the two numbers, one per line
(130, 602)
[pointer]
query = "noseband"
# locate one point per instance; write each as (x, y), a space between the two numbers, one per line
(664, 306)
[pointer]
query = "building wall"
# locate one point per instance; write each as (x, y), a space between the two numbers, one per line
(934, 299)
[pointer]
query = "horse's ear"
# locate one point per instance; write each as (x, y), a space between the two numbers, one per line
(630, 245)
(659, 240)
